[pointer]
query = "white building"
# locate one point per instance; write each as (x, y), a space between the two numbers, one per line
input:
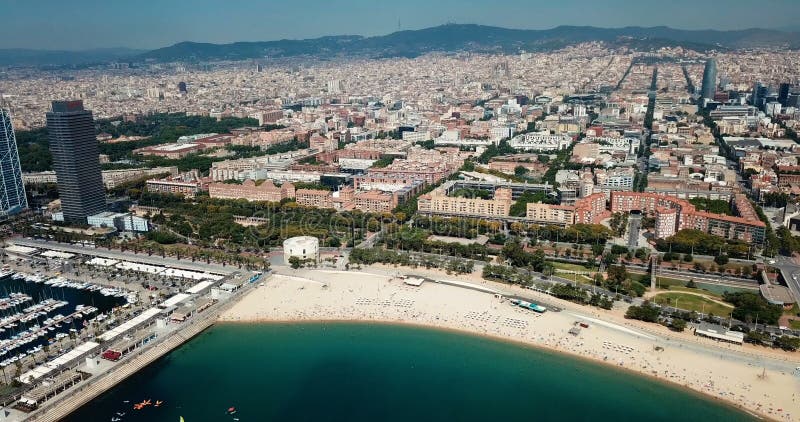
(772, 108)
(416, 136)
(540, 141)
(499, 132)
(611, 145)
(302, 247)
(121, 221)
(335, 86)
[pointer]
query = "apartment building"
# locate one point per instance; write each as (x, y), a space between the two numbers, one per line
(438, 202)
(746, 227)
(266, 191)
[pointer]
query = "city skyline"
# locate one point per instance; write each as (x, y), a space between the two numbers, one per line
(89, 24)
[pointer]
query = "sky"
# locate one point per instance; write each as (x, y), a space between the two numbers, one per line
(149, 24)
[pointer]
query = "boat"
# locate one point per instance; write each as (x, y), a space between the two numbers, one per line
(158, 403)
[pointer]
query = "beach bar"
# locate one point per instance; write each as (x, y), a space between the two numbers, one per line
(717, 332)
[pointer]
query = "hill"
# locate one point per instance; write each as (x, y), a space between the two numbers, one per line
(27, 57)
(477, 38)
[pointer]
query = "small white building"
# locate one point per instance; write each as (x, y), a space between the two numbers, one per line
(302, 247)
(121, 221)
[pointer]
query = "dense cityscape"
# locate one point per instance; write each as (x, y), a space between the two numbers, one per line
(586, 197)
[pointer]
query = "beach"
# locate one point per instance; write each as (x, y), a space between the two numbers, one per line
(763, 385)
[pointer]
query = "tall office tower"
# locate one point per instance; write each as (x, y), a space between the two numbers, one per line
(709, 86)
(760, 93)
(76, 160)
(783, 94)
(12, 190)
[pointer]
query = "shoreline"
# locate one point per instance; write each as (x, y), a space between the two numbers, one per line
(359, 297)
(510, 341)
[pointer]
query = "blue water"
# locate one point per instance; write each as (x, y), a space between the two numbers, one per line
(361, 372)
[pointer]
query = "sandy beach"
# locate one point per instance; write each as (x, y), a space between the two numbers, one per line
(727, 373)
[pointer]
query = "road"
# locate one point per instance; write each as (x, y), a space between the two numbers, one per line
(788, 266)
(725, 280)
(634, 221)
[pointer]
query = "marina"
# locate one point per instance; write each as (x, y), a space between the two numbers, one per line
(58, 308)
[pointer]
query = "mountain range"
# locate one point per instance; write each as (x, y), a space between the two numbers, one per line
(412, 43)
(28, 57)
(478, 38)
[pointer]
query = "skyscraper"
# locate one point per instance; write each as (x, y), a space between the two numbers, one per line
(76, 160)
(709, 86)
(759, 95)
(783, 94)
(12, 190)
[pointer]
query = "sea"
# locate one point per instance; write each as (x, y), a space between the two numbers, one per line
(380, 372)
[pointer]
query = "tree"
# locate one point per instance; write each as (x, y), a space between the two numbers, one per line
(721, 259)
(688, 258)
(750, 306)
(295, 262)
(617, 274)
(618, 223)
(520, 171)
(647, 312)
(691, 284)
(641, 254)
(756, 337)
(788, 343)
(677, 324)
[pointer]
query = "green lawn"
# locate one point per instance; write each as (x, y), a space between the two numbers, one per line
(669, 283)
(794, 324)
(692, 303)
(580, 278)
(570, 267)
(698, 290)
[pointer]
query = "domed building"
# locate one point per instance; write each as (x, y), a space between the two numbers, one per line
(305, 248)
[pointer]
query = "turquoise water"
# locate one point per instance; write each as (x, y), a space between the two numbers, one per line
(362, 372)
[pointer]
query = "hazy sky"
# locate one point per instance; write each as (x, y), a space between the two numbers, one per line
(85, 24)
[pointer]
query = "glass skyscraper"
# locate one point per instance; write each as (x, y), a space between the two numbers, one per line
(76, 160)
(709, 87)
(12, 190)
